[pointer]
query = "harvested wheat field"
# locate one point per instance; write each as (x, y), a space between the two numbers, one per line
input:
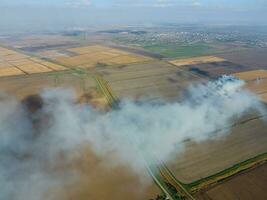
(90, 56)
(252, 75)
(200, 160)
(14, 63)
(10, 71)
(22, 86)
(256, 81)
(158, 80)
(53, 66)
(246, 186)
(196, 60)
(34, 68)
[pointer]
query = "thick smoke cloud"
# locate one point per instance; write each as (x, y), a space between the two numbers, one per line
(37, 144)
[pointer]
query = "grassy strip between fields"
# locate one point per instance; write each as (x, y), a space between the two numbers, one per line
(216, 178)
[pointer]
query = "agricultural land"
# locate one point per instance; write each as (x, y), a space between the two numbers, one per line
(148, 64)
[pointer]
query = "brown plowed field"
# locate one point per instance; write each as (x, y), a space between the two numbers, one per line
(250, 185)
(216, 69)
(255, 58)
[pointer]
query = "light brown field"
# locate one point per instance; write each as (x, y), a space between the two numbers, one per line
(150, 81)
(5, 65)
(36, 60)
(22, 86)
(6, 52)
(10, 71)
(264, 97)
(21, 62)
(89, 56)
(53, 66)
(196, 60)
(14, 57)
(14, 63)
(89, 49)
(125, 59)
(51, 54)
(34, 68)
(200, 160)
(252, 75)
(256, 81)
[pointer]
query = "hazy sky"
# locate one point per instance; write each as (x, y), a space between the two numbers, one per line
(234, 4)
(73, 13)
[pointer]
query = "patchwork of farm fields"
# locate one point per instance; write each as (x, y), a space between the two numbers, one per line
(139, 77)
(94, 55)
(13, 63)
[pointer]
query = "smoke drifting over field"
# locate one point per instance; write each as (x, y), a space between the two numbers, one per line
(39, 144)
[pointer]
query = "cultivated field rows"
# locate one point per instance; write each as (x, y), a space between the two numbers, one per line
(22, 86)
(196, 60)
(15, 63)
(149, 80)
(245, 186)
(200, 160)
(90, 56)
(254, 58)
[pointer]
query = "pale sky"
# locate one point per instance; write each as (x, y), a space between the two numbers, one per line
(73, 13)
(234, 4)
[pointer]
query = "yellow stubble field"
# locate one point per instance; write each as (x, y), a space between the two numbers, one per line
(256, 81)
(196, 60)
(16, 63)
(89, 56)
(10, 71)
(34, 68)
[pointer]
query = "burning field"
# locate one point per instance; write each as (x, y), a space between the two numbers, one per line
(55, 148)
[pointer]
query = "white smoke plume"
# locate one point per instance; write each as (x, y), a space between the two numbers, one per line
(32, 144)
